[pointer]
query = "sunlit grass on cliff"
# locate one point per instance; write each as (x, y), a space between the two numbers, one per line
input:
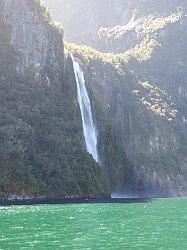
(142, 27)
(141, 52)
(156, 100)
(153, 98)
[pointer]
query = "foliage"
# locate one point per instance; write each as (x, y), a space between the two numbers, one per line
(141, 52)
(42, 150)
(156, 100)
(144, 26)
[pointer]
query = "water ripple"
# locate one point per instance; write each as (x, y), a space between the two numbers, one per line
(159, 225)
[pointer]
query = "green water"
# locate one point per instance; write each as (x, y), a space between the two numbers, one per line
(161, 224)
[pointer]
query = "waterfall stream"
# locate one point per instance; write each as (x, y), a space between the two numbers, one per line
(86, 112)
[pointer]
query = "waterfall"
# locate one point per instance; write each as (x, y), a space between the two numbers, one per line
(86, 112)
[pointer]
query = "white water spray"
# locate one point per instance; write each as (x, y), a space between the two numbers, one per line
(86, 112)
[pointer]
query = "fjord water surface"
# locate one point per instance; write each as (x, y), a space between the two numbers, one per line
(159, 225)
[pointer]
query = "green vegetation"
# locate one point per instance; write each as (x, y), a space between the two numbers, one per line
(141, 52)
(153, 98)
(147, 25)
(137, 137)
(41, 146)
(136, 97)
(156, 100)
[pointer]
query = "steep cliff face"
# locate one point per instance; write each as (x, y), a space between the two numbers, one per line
(101, 19)
(138, 97)
(141, 149)
(38, 42)
(41, 139)
(141, 91)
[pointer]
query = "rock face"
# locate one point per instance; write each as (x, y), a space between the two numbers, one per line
(38, 41)
(138, 95)
(138, 98)
(93, 16)
(142, 151)
(41, 137)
